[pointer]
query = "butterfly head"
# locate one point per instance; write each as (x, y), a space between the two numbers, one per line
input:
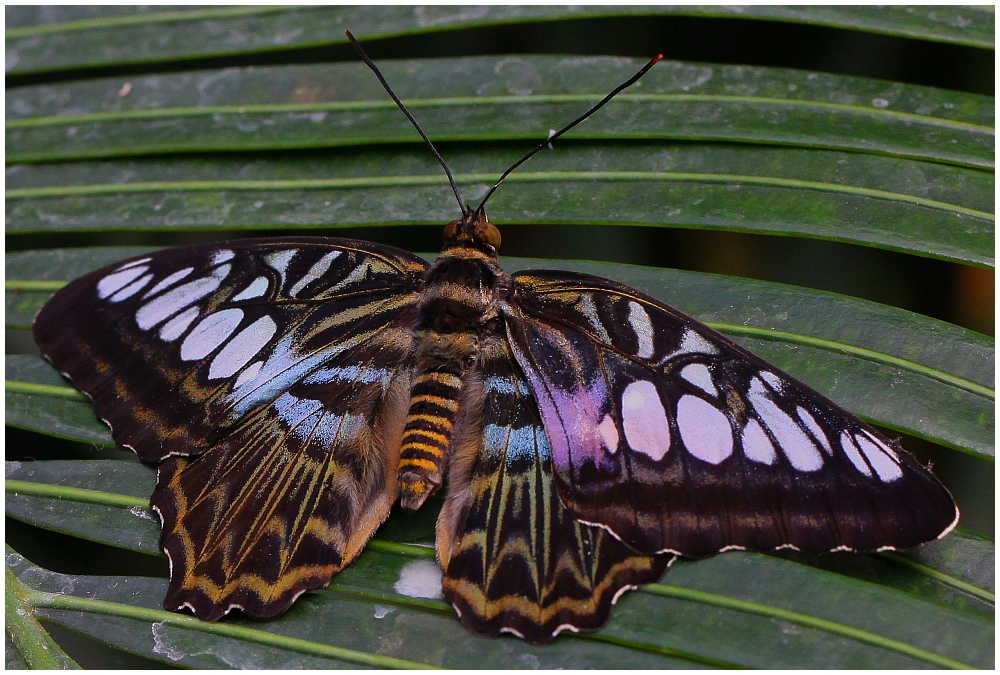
(475, 229)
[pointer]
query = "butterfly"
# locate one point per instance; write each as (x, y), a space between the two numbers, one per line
(293, 389)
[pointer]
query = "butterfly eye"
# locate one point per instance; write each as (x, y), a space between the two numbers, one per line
(451, 229)
(487, 233)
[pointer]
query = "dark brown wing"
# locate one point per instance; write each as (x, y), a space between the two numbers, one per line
(676, 439)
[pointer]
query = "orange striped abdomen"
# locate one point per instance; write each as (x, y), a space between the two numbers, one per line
(427, 435)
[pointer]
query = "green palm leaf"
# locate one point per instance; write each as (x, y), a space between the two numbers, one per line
(156, 159)
(77, 37)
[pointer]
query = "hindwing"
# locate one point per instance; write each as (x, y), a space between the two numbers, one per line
(677, 440)
(275, 370)
(515, 559)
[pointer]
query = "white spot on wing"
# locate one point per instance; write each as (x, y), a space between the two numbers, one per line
(704, 429)
(638, 319)
(586, 306)
(131, 289)
(700, 376)
(169, 281)
(280, 260)
(644, 420)
(695, 343)
(173, 301)
(209, 334)
(815, 428)
(118, 280)
(242, 348)
(771, 379)
(756, 445)
(222, 256)
(174, 328)
(853, 454)
(318, 269)
(221, 272)
(609, 433)
(877, 455)
(256, 289)
(800, 450)
(134, 263)
(420, 579)
(885, 448)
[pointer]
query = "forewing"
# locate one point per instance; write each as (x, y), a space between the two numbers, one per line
(272, 376)
(177, 346)
(515, 559)
(676, 439)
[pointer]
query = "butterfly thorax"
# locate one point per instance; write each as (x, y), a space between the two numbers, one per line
(458, 307)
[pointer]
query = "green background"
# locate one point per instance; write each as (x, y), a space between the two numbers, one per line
(816, 182)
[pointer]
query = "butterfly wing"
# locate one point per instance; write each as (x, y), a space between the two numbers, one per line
(267, 374)
(515, 559)
(676, 439)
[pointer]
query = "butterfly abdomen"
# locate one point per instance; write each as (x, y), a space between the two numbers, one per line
(434, 402)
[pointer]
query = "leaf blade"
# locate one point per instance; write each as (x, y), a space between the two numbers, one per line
(258, 109)
(160, 36)
(942, 212)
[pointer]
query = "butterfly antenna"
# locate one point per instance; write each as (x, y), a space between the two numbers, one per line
(378, 74)
(625, 85)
